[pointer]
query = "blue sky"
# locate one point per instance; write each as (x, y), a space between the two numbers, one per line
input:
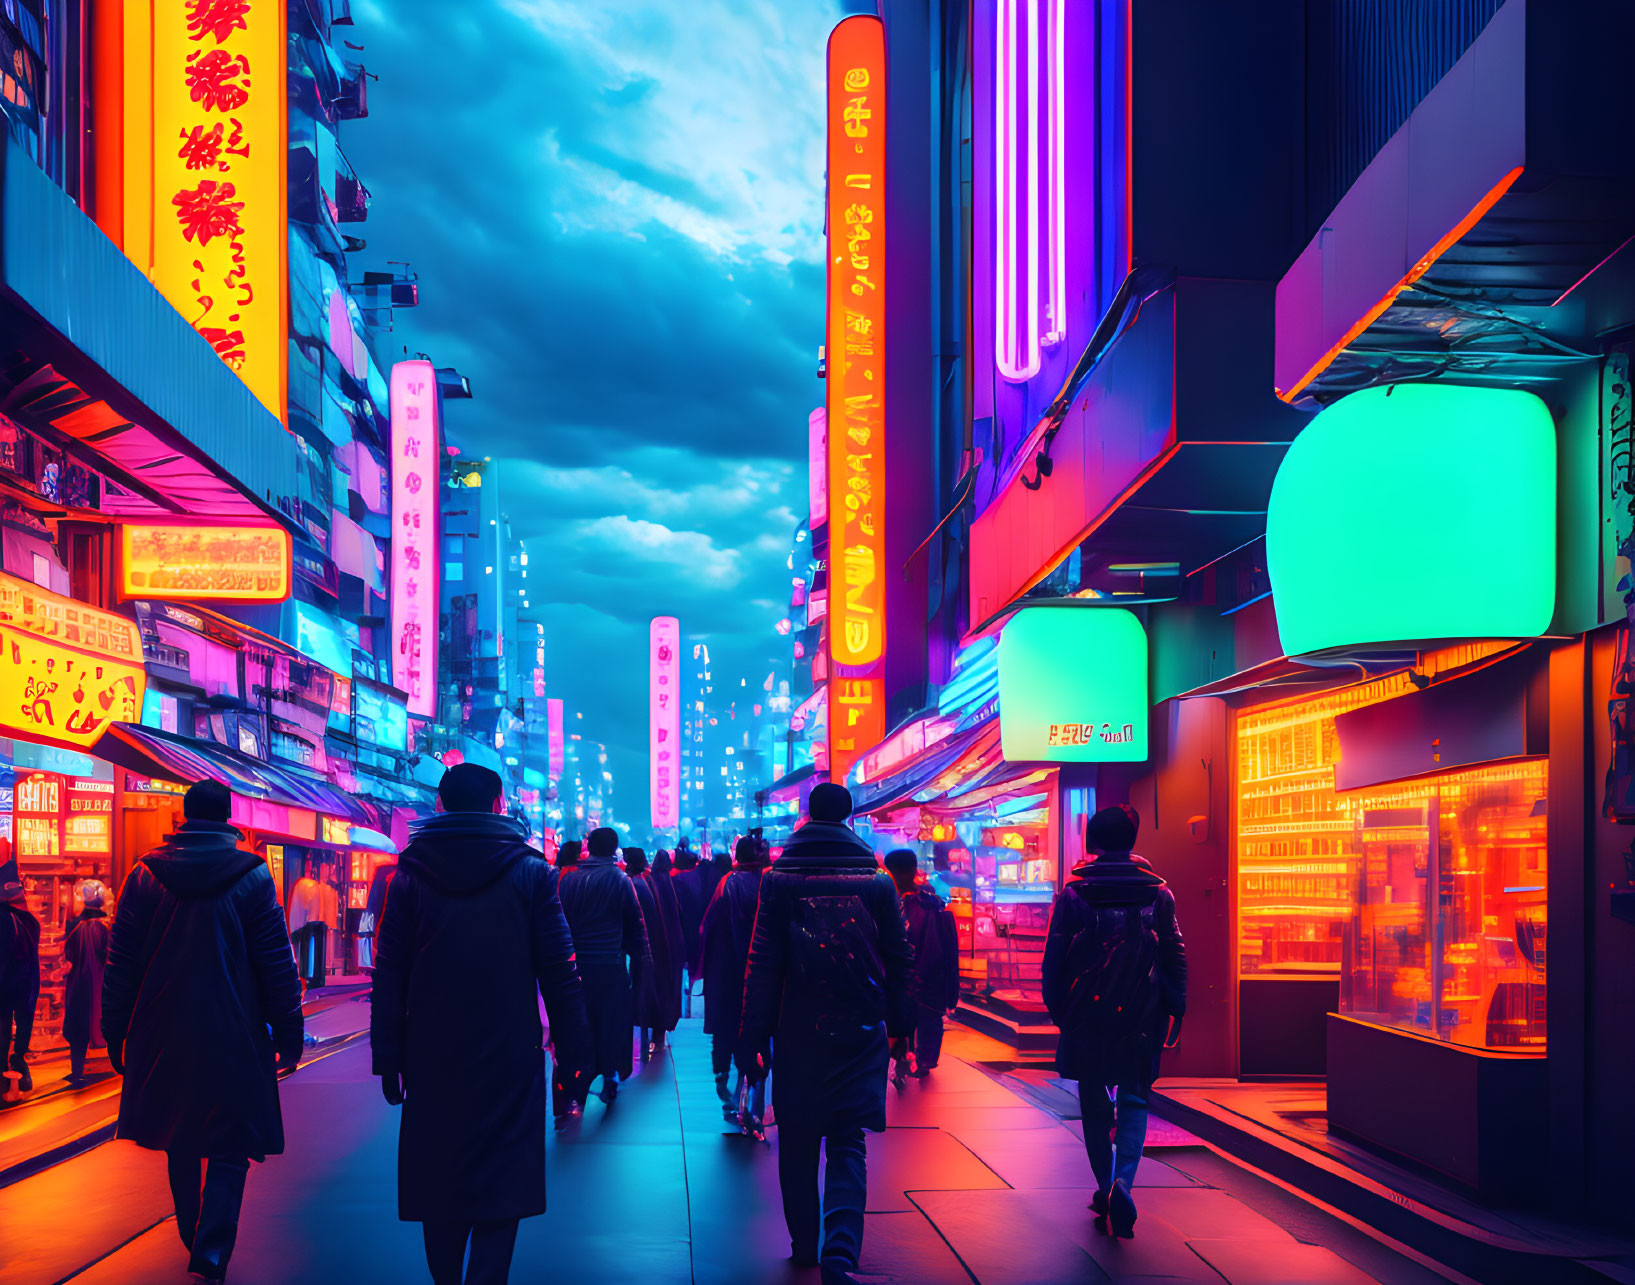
(615, 211)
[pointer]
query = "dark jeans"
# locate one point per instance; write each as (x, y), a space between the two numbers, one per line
(927, 1038)
(491, 1248)
(845, 1189)
(18, 1010)
(208, 1195)
(1114, 1158)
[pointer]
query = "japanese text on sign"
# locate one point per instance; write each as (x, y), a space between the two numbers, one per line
(205, 146)
(856, 339)
(190, 562)
(416, 449)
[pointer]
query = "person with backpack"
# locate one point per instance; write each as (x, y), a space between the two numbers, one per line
(729, 923)
(825, 1005)
(934, 983)
(201, 1006)
(1115, 982)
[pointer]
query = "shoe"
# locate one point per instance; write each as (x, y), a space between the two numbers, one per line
(838, 1271)
(1098, 1203)
(923, 1072)
(610, 1090)
(803, 1258)
(1121, 1211)
(899, 1075)
(25, 1081)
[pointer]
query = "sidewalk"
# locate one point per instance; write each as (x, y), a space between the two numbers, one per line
(973, 1181)
(57, 1121)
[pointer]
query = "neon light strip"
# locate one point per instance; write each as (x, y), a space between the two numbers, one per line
(1016, 356)
(1446, 243)
(1056, 174)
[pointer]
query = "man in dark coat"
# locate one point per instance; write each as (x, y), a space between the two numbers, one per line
(1115, 982)
(86, 952)
(729, 923)
(473, 934)
(658, 993)
(199, 968)
(606, 922)
(19, 975)
(688, 882)
(664, 891)
(934, 983)
(827, 990)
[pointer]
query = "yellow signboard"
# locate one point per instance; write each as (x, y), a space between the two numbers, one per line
(67, 670)
(181, 562)
(204, 139)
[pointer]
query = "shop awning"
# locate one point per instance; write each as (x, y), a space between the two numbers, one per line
(787, 786)
(154, 753)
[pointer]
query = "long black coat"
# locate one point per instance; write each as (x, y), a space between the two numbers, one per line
(934, 983)
(1094, 906)
(688, 882)
(658, 997)
(664, 892)
(199, 966)
(19, 954)
(729, 923)
(473, 933)
(605, 920)
(86, 951)
(828, 980)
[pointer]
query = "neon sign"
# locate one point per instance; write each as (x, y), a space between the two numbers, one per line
(69, 670)
(182, 562)
(817, 470)
(556, 757)
(205, 140)
(856, 341)
(664, 656)
(416, 449)
(1030, 183)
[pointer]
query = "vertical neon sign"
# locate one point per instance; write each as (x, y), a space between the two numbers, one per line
(417, 445)
(556, 758)
(1030, 188)
(817, 467)
(856, 387)
(664, 670)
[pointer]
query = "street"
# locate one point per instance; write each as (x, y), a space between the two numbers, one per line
(971, 1182)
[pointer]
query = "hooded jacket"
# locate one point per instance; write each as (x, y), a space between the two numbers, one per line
(472, 934)
(1094, 908)
(199, 967)
(827, 980)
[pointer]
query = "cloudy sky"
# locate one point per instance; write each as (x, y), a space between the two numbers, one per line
(615, 211)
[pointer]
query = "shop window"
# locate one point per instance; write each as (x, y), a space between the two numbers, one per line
(1447, 937)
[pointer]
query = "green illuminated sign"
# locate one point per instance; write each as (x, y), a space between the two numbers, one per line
(1073, 686)
(1415, 513)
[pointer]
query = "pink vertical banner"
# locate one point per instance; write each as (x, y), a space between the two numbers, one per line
(664, 669)
(553, 719)
(417, 445)
(817, 466)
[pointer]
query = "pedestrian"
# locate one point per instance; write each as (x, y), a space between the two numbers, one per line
(688, 881)
(825, 1005)
(567, 856)
(86, 953)
(19, 978)
(710, 875)
(610, 943)
(664, 892)
(1115, 982)
(472, 936)
(729, 923)
(658, 996)
(934, 983)
(201, 1006)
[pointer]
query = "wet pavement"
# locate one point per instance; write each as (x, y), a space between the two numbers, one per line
(973, 1181)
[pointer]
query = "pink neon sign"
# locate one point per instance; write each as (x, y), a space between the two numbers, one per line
(1030, 188)
(416, 450)
(817, 466)
(557, 758)
(664, 668)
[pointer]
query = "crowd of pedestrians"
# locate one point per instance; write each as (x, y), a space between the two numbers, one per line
(825, 971)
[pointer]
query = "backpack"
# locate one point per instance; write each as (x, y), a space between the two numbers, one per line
(834, 958)
(1112, 962)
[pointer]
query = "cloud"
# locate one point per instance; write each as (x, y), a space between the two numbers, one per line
(615, 214)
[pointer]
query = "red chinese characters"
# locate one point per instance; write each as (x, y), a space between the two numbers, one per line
(216, 18)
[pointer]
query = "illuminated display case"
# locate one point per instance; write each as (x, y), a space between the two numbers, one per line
(1449, 931)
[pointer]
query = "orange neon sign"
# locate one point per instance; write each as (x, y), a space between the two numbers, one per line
(182, 562)
(205, 140)
(856, 340)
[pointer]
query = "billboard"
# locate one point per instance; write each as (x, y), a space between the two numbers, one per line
(417, 446)
(664, 674)
(557, 756)
(1073, 686)
(188, 562)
